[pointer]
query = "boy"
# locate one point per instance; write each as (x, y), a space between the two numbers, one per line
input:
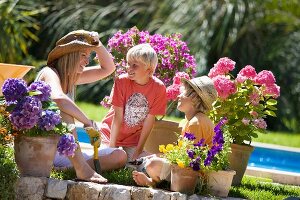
(137, 97)
(195, 100)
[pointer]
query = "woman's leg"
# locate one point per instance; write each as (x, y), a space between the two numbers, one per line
(82, 168)
(114, 160)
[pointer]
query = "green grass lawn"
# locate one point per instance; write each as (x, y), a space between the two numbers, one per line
(97, 112)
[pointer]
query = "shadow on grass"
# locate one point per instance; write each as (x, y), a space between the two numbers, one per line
(256, 184)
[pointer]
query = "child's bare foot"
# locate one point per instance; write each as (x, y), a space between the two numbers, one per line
(95, 178)
(141, 179)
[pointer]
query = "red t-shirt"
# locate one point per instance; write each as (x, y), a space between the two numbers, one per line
(137, 102)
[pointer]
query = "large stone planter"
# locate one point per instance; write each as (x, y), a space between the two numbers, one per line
(163, 132)
(34, 155)
(238, 161)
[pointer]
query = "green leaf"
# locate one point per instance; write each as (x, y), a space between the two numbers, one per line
(271, 107)
(270, 112)
(34, 93)
(271, 102)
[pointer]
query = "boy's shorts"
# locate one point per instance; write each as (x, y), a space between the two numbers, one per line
(130, 151)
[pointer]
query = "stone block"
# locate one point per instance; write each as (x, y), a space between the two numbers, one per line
(31, 188)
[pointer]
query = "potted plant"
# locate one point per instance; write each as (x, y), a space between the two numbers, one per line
(191, 159)
(245, 101)
(174, 61)
(32, 119)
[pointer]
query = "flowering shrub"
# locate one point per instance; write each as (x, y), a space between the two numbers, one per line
(28, 111)
(245, 100)
(187, 153)
(174, 59)
(173, 54)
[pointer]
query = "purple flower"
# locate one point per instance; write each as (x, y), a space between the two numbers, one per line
(49, 120)
(43, 87)
(173, 54)
(190, 153)
(200, 143)
(195, 164)
(27, 113)
(67, 145)
(13, 89)
(189, 136)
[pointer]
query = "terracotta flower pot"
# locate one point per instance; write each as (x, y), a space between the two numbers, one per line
(183, 180)
(219, 182)
(34, 155)
(238, 161)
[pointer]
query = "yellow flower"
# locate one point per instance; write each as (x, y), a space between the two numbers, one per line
(169, 147)
(162, 148)
(8, 137)
(180, 163)
(180, 143)
(3, 131)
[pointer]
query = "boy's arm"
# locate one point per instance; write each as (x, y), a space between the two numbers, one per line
(116, 125)
(147, 127)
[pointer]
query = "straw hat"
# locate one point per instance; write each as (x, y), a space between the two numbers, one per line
(205, 88)
(73, 41)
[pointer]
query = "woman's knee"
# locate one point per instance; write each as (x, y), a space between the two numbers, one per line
(119, 156)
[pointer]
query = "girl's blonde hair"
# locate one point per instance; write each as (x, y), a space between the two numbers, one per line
(67, 67)
(145, 54)
(196, 99)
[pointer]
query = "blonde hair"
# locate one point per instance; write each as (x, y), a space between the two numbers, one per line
(196, 99)
(145, 54)
(67, 67)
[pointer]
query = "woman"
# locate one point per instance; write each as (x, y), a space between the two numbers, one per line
(66, 69)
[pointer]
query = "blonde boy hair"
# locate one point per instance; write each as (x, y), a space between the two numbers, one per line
(145, 54)
(67, 67)
(196, 99)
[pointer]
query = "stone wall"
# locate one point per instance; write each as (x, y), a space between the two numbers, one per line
(34, 188)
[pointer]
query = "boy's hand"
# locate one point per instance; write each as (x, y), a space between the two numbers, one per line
(136, 154)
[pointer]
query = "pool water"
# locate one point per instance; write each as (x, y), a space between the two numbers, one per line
(277, 159)
(261, 157)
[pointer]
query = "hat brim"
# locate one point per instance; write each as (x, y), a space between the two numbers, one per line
(64, 49)
(201, 94)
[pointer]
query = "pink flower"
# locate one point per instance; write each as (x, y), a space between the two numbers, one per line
(253, 113)
(273, 90)
(224, 86)
(222, 67)
(173, 91)
(106, 102)
(246, 121)
(178, 76)
(260, 123)
(248, 72)
(254, 98)
(265, 77)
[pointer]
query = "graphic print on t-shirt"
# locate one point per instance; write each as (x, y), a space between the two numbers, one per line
(136, 109)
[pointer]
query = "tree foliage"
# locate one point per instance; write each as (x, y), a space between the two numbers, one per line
(263, 33)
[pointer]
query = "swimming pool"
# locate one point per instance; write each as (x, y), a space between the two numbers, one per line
(275, 159)
(261, 157)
